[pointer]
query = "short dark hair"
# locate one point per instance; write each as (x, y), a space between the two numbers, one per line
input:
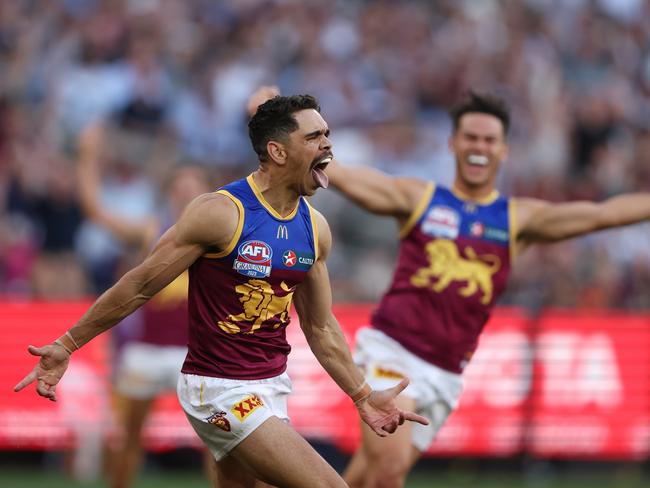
(274, 120)
(482, 103)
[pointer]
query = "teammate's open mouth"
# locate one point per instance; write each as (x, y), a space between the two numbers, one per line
(318, 172)
(478, 160)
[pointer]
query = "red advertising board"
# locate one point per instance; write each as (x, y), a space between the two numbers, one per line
(491, 416)
(566, 384)
(82, 411)
(591, 392)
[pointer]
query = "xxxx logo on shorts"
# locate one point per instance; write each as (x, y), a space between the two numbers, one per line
(387, 373)
(219, 420)
(247, 406)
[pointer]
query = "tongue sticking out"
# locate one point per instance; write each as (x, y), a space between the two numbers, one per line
(320, 177)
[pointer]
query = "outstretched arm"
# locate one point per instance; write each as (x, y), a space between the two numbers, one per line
(313, 301)
(376, 191)
(89, 147)
(176, 250)
(369, 188)
(540, 221)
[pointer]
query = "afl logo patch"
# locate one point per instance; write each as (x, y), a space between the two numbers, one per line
(441, 222)
(289, 258)
(253, 259)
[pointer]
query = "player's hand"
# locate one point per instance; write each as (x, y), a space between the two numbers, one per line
(48, 371)
(261, 95)
(379, 411)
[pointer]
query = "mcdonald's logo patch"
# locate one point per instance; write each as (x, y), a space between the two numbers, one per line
(219, 420)
(247, 406)
(282, 232)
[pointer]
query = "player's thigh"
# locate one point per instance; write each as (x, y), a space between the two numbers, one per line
(355, 472)
(132, 412)
(230, 473)
(278, 455)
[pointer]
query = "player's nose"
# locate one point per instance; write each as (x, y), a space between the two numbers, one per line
(326, 144)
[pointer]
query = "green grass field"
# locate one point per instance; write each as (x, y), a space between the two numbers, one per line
(455, 478)
(183, 468)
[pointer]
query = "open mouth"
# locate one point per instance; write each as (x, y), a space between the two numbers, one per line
(318, 171)
(478, 160)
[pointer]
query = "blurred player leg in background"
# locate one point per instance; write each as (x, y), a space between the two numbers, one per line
(145, 371)
(396, 453)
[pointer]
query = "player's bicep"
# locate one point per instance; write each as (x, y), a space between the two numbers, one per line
(548, 222)
(210, 221)
(169, 258)
(385, 194)
(374, 190)
(313, 297)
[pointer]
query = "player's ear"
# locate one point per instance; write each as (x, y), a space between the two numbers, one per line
(277, 152)
(503, 157)
(450, 142)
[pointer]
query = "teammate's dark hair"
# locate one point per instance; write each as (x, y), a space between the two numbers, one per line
(274, 120)
(481, 103)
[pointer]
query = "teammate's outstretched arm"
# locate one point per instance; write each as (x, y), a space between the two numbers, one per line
(371, 189)
(540, 221)
(176, 250)
(376, 191)
(313, 301)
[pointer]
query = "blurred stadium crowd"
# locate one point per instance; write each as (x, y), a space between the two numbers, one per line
(171, 79)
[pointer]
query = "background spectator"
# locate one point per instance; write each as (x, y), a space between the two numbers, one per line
(174, 78)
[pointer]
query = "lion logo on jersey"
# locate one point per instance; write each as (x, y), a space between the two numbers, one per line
(261, 303)
(447, 265)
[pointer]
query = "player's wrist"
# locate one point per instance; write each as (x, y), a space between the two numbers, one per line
(360, 394)
(67, 342)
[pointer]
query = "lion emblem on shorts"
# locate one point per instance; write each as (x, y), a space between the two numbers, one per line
(219, 420)
(446, 265)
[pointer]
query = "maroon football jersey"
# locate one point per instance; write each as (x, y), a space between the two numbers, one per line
(239, 299)
(165, 315)
(453, 264)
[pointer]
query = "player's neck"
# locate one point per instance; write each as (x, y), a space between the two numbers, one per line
(475, 193)
(275, 192)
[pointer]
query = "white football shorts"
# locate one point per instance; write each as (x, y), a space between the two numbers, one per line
(146, 370)
(223, 412)
(386, 362)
